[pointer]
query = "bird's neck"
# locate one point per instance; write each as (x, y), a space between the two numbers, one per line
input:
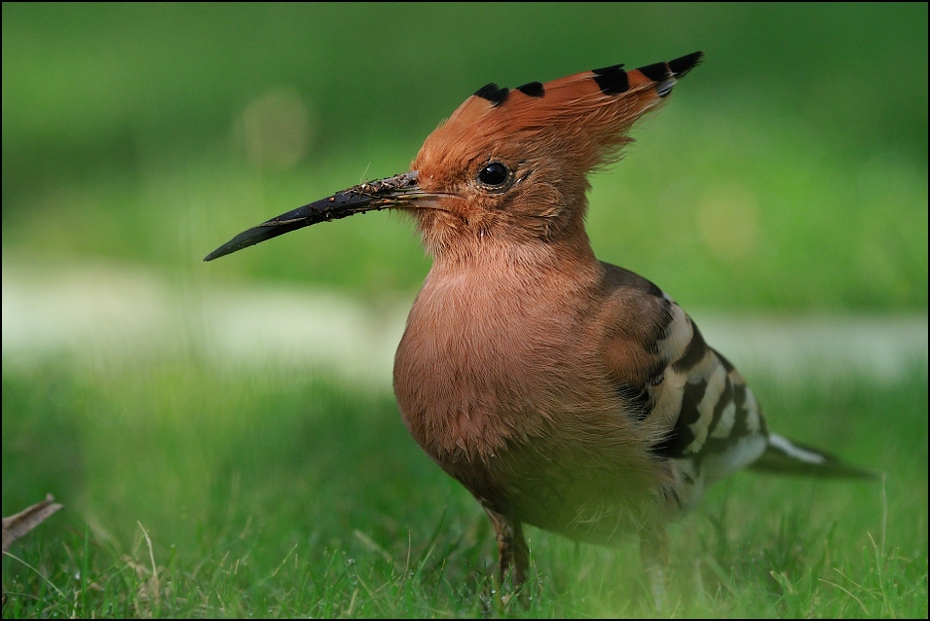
(496, 257)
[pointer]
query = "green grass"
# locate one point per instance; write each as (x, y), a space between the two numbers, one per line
(193, 493)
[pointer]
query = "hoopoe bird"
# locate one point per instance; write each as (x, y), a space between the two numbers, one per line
(561, 391)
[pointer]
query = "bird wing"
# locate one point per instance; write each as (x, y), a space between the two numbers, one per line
(696, 410)
(702, 415)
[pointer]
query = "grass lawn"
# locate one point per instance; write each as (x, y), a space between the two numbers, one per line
(195, 493)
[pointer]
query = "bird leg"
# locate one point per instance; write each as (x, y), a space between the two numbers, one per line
(511, 547)
(653, 550)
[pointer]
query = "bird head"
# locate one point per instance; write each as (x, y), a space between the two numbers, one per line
(507, 164)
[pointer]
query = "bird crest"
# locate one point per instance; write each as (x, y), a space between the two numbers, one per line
(585, 113)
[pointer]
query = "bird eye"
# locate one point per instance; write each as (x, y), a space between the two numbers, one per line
(494, 175)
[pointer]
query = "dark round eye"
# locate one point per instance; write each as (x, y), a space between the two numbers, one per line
(494, 175)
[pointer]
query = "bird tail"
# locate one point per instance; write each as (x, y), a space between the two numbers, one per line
(782, 456)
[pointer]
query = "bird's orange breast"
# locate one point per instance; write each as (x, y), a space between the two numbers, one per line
(493, 384)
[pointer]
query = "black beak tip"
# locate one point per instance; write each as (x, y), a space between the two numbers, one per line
(228, 248)
(255, 235)
(222, 251)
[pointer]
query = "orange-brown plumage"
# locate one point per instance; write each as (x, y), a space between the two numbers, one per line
(507, 374)
(561, 391)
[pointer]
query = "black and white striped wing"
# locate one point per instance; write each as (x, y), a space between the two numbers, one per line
(715, 424)
(688, 398)
(707, 421)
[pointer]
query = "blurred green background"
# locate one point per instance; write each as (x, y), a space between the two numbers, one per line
(786, 177)
(153, 133)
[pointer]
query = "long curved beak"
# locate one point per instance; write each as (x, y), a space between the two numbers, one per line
(375, 195)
